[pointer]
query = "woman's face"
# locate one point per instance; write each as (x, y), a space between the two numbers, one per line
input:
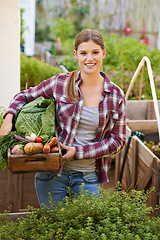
(89, 56)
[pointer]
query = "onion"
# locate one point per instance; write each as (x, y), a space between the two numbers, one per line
(21, 138)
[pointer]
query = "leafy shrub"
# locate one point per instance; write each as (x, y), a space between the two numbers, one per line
(2, 111)
(22, 27)
(70, 63)
(63, 28)
(112, 215)
(68, 46)
(33, 71)
(42, 35)
(122, 59)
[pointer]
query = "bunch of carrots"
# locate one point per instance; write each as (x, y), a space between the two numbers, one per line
(51, 146)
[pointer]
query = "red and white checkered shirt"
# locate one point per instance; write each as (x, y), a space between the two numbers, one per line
(111, 133)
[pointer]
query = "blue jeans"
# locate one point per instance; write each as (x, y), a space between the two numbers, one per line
(49, 184)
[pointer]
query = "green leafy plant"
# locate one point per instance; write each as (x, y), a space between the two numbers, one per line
(41, 34)
(70, 63)
(122, 59)
(63, 28)
(2, 111)
(34, 72)
(78, 12)
(111, 215)
(22, 27)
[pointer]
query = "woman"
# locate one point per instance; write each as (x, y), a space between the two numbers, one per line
(90, 112)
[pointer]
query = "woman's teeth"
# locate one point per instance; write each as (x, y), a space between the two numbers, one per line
(90, 64)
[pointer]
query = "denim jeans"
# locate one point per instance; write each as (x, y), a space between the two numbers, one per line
(49, 184)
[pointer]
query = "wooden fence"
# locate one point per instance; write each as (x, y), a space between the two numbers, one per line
(17, 191)
(109, 15)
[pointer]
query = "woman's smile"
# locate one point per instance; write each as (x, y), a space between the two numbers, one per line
(90, 65)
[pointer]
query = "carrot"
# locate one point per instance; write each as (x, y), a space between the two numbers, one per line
(53, 141)
(46, 148)
(54, 149)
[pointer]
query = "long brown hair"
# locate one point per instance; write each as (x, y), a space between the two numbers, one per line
(84, 36)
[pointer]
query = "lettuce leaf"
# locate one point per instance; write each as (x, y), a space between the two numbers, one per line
(48, 120)
(37, 116)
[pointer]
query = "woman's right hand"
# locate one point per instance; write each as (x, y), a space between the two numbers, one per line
(6, 126)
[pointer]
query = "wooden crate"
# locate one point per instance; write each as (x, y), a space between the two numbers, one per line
(40, 162)
(142, 167)
(34, 163)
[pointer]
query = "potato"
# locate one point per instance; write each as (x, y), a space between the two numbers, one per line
(33, 148)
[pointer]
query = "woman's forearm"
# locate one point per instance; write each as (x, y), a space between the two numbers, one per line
(6, 125)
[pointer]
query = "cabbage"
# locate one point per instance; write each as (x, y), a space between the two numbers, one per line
(37, 117)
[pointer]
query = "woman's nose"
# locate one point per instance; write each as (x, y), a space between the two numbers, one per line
(89, 56)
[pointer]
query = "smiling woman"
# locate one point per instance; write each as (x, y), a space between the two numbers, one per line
(91, 121)
(89, 56)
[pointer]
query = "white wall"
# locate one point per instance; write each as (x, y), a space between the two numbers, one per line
(9, 50)
(29, 24)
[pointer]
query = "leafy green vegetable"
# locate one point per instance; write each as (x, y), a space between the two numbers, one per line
(48, 123)
(37, 117)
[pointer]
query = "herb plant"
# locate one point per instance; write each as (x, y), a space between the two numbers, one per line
(111, 215)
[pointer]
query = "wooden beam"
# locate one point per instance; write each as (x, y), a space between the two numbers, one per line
(143, 125)
(134, 163)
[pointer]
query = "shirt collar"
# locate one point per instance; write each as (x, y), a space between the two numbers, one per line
(107, 83)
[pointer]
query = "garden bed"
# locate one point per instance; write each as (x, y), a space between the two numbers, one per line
(142, 167)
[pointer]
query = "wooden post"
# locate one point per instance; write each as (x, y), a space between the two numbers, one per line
(155, 196)
(141, 83)
(134, 163)
(14, 191)
(117, 165)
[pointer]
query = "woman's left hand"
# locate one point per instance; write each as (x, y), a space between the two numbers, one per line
(70, 152)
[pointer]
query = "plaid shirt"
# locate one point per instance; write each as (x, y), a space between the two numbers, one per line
(111, 133)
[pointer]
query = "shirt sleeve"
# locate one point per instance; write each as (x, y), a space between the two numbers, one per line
(111, 143)
(44, 89)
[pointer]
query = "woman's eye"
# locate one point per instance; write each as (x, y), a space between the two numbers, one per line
(96, 52)
(83, 53)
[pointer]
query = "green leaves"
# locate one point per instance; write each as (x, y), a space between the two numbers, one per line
(37, 117)
(111, 215)
(122, 59)
(34, 72)
(63, 28)
(2, 111)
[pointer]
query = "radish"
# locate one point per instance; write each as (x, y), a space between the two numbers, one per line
(17, 149)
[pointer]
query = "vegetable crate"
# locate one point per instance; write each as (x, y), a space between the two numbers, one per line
(40, 162)
(142, 167)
